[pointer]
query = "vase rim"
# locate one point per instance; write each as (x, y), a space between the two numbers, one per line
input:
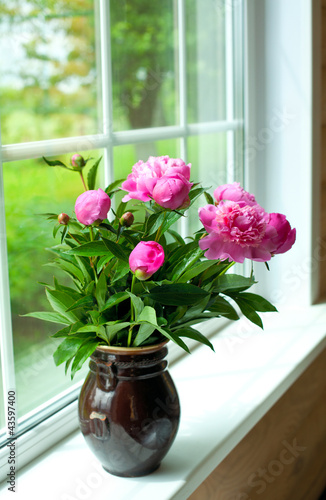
(131, 350)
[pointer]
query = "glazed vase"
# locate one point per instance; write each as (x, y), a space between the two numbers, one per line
(129, 409)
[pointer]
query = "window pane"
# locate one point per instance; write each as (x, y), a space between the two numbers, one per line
(206, 65)
(48, 84)
(143, 63)
(208, 156)
(43, 190)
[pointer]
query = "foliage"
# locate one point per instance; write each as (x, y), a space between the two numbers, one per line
(105, 304)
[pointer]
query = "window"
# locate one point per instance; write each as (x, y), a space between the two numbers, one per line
(121, 80)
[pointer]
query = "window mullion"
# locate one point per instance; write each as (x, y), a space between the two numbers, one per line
(230, 86)
(6, 338)
(182, 74)
(106, 72)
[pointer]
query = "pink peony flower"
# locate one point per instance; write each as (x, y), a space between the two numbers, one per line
(237, 232)
(172, 192)
(145, 259)
(141, 183)
(285, 237)
(92, 206)
(234, 192)
(170, 166)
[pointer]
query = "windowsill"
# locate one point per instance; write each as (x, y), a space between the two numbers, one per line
(223, 395)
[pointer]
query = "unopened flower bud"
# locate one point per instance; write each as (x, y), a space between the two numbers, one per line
(78, 161)
(127, 219)
(63, 219)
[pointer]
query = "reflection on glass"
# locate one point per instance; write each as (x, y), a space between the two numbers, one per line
(143, 63)
(42, 189)
(208, 156)
(48, 86)
(206, 65)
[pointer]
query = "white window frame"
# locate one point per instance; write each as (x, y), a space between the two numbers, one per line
(62, 422)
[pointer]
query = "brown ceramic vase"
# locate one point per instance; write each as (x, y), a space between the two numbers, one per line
(129, 408)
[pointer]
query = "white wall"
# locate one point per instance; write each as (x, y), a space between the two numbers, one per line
(279, 139)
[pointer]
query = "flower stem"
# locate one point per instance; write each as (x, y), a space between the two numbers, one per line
(132, 311)
(159, 231)
(83, 180)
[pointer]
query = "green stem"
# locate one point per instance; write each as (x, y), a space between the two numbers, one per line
(132, 311)
(83, 180)
(159, 231)
(91, 236)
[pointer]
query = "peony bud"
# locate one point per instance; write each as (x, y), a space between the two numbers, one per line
(127, 219)
(172, 192)
(145, 259)
(92, 206)
(78, 161)
(63, 219)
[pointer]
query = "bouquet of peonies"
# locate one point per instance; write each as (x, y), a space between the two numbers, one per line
(134, 280)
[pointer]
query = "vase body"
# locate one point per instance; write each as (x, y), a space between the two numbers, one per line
(129, 409)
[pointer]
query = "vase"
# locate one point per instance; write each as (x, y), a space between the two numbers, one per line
(129, 409)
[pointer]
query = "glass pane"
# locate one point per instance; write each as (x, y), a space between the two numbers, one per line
(48, 79)
(208, 156)
(143, 63)
(206, 63)
(42, 189)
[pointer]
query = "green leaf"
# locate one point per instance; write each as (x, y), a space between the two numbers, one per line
(116, 250)
(111, 187)
(121, 209)
(68, 330)
(137, 304)
(209, 198)
(195, 193)
(91, 249)
(148, 314)
(60, 302)
(91, 176)
(223, 308)
(196, 270)
(68, 268)
(232, 283)
(144, 332)
(67, 349)
(115, 299)
(187, 262)
(176, 236)
(113, 327)
(83, 353)
(53, 317)
(101, 290)
(55, 163)
(257, 302)
(85, 268)
(56, 228)
(191, 333)
(248, 311)
(119, 271)
(177, 294)
(174, 337)
(86, 302)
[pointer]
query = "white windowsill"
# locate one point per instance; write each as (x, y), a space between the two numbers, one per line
(223, 395)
